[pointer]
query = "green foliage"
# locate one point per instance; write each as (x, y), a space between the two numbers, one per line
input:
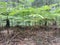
(29, 16)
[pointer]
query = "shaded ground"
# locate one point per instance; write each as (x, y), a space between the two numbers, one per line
(30, 36)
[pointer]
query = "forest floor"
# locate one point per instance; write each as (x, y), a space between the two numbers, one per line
(30, 36)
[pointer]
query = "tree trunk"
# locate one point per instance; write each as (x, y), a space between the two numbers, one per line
(7, 23)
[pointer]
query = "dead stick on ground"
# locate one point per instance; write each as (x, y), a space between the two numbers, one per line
(11, 38)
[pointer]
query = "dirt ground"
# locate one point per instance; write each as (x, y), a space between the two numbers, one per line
(30, 36)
